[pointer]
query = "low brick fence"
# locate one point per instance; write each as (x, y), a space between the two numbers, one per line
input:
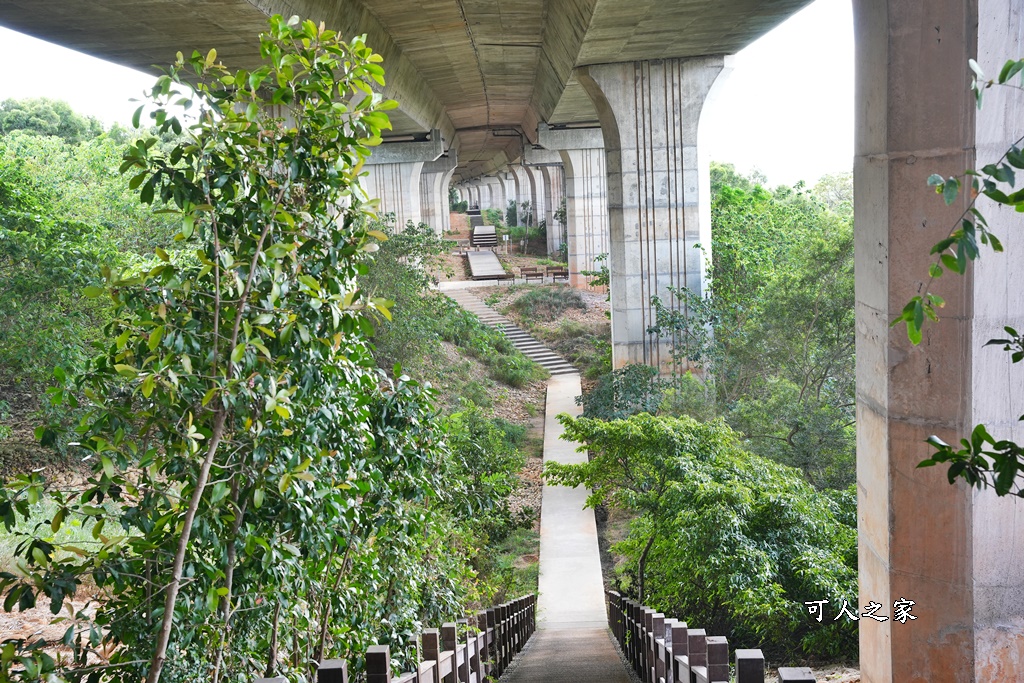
(664, 650)
(450, 654)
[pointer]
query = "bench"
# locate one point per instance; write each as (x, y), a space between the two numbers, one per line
(531, 272)
(559, 274)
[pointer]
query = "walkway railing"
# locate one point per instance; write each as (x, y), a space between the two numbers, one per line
(450, 654)
(664, 650)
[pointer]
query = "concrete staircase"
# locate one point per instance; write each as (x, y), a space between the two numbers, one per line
(527, 345)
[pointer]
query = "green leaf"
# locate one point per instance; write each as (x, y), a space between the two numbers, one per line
(92, 291)
(155, 336)
(108, 466)
(238, 352)
(950, 191)
(128, 371)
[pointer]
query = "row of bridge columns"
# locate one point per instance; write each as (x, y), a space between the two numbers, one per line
(637, 188)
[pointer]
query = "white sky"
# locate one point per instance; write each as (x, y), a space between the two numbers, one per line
(786, 109)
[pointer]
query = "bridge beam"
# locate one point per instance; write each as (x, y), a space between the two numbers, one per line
(954, 551)
(586, 195)
(658, 189)
(393, 176)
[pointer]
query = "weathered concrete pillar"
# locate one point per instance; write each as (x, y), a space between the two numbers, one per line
(658, 189)
(525, 192)
(553, 195)
(434, 179)
(393, 176)
(497, 193)
(586, 195)
(537, 206)
(397, 186)
(508, 183)
(953, 551)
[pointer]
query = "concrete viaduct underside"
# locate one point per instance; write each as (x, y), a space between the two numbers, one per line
(598, 102)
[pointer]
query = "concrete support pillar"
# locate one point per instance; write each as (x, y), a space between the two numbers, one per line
(497, 191)
(586, 195)
(537, 206)
(512, 194)
(524, 188)
(553, 187)
(397, 186)
(954, 551)
(658, 189)
(508, 189)
(434, 179)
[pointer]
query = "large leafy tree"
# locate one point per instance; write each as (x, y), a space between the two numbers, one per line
(247, 452)
(725, 539)
(774, 333)
(44, 116)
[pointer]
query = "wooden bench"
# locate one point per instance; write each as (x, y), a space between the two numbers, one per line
(559, 274)
(531, 272)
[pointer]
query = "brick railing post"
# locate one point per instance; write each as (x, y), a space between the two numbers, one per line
(718, 659)
(680, 665)
(378, 664)
(749, 666)
(332, 671)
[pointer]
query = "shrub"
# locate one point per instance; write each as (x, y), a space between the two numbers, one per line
(727, 540)
(627, 391)
(548, 303)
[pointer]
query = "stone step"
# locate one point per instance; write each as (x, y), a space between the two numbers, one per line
(521, 340)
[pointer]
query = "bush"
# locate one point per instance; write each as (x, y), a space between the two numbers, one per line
(548, 303)
(628, 391)
(724, 539)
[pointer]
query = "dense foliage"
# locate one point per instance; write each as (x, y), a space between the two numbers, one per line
(248, 456)
(769, 346)
(728, 540)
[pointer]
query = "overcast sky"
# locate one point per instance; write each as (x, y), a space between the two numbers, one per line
(786, 108)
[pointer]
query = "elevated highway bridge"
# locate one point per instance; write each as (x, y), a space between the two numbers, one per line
(599, 102)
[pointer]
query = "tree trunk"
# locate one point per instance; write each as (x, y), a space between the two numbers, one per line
(164, 635)
(642, 567)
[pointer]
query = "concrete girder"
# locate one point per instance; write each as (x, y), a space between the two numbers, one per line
(955, 551)
(404, 152)
(658, 190)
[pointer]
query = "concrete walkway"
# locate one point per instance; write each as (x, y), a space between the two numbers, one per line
(572, 642)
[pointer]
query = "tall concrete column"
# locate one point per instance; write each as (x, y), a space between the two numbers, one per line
(497, 190)
(397, 186)
(434, 179)
(586, 195)
(553, 183)
(957, 553)
(658, 189)
(524, 188)
(508, 184)
(537, 206)
(393, 176)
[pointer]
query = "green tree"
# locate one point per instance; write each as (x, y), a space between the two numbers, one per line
(43, 116)
(722, 538)
(773, 335)
(247, 453)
